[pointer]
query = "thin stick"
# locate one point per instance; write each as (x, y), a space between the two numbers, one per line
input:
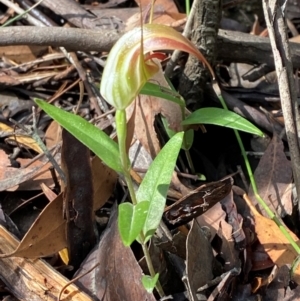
(22, 13)
(34, 134)
(286, 82)
(186, 33)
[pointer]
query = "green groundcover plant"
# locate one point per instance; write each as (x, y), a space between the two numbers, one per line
(129, 67)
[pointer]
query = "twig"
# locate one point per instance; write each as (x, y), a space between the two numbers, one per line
(34, 134)
(36, 12)
(286, 82)
(22, 13)
(231, 46)
(186, 33)
(71, 38)
(217, 280)
(75, 279)
(70, 56)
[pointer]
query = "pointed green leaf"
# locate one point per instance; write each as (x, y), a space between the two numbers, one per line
(95, 139)
(222, 117)
(162, 92)
(188, 137)
(155, 184)
(149, 282)
(131, 220)
(169, 131)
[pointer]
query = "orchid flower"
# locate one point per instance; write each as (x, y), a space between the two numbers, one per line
(129, 64)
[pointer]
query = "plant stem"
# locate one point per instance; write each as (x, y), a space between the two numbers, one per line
(190, 162)
(121, 128)
(150, 266)
(252, 180)
(187, 7)
(260, 200)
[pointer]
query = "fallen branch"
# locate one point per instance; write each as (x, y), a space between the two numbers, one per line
(33, 279)
(231, 46)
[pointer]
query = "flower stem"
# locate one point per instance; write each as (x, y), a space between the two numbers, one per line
(121, 128)
(190, 162)
(150, 266)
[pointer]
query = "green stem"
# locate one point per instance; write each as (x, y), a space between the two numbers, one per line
(121, 128)
(187, 7)
(150, 266)
(253, 183)
(190, 162)
(260, 200)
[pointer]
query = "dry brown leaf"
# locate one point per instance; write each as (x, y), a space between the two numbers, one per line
(147, 107)
(47, 234)
(4, 160)
(164, 13)
(256, 29)
(104, 180)
(176, 183)
(5, 16)
(50, 195)
(22, 53)
(21, 140)
(53, 134)
(8, 80)
(198, 268)
(273, 176)
(108, 4)
(273, 241)
(260, 260)
(295, 39)
(235, 220)
(211, 218)
(215, 218)
(117, 275)
(28, 178)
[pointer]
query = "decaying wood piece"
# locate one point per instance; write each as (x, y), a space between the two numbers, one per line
(204, 35)
(33, 280)
(246, 48)
(74, 39)
(78, 199)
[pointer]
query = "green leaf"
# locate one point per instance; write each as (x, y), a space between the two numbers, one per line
(156, 182)
(222, 117)
(149, 282)
(131, 220)
(188, 138)
(169, 132)
(162, 92)
(201, 177)
(95, 139)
